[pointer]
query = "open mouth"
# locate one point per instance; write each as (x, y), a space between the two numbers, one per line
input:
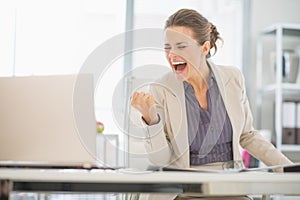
(179, 66)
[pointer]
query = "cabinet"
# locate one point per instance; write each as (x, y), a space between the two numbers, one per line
(270, 84)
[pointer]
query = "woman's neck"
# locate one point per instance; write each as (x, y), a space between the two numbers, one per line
(200, 80)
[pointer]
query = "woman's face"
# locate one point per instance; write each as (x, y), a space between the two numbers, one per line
(184, 54)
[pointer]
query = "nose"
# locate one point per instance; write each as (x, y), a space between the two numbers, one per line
(171, 54)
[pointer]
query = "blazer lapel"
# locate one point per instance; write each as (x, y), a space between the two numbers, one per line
(176, 110)
(229, 92)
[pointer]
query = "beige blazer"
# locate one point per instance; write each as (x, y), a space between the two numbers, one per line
(167, 141)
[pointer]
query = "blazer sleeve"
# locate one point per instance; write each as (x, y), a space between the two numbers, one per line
(252, 141)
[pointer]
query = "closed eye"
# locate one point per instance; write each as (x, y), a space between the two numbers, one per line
(181, 47)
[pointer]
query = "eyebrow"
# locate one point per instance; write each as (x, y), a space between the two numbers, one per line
(178, 43)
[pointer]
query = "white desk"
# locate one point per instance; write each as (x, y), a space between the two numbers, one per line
(162, 182)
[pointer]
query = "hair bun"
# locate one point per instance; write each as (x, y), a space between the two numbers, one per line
(214, 36)
(212, 27)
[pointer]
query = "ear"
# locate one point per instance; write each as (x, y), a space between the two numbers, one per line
(206, 47)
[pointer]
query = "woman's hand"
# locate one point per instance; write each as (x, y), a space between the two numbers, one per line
(145, 103)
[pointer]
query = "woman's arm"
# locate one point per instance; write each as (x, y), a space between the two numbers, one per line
(253, 142)
(157, 143)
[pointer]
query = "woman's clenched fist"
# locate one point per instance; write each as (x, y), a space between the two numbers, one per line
(145, 103)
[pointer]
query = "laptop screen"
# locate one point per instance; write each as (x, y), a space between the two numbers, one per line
(47, 120)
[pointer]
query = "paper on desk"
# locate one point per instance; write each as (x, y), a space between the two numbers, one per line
(200, 170)
(231, 170)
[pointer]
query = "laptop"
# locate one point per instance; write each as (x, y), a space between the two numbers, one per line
(48, 121)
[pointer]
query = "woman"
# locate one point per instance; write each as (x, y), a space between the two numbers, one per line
(198, 116)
